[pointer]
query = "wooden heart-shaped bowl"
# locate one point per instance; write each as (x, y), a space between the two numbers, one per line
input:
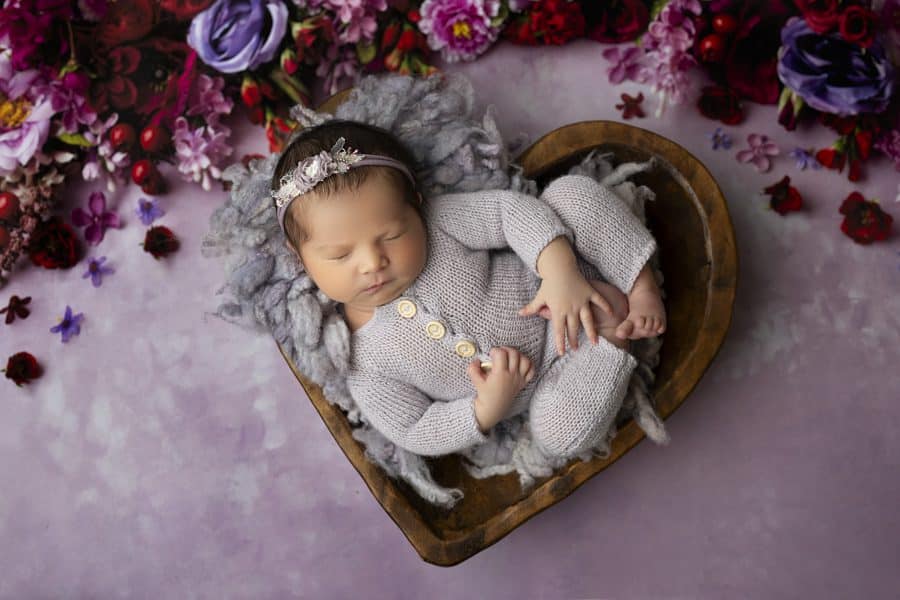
(698, 258)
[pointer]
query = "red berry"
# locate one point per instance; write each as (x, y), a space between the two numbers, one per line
(153, 138)
(9, 205)
(141, 171)
(724, 23)
(712, 48)
(122, 136)
(4, 237)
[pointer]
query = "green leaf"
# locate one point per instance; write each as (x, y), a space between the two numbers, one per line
(74, 139)
(366, 52)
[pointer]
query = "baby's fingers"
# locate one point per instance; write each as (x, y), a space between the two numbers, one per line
(524, 365)
(559, 332)
(602, 302)
(587, 318)
(572, 326)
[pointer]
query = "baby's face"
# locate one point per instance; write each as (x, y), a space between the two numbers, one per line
(359, 238)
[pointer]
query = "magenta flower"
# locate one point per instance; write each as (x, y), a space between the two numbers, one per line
(97, 220)
(759, 152)
(460, 29)
(624, 64)
(96, 270)
(69, 325)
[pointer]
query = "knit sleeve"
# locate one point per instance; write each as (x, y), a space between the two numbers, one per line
(499, 218)
(607, 232)
(410, 419)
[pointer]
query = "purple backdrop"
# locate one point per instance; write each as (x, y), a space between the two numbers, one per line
(165, 452)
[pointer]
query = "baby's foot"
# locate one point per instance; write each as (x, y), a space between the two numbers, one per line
(646, 315)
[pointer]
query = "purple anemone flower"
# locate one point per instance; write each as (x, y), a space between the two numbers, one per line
(238, 35)
(831, 74)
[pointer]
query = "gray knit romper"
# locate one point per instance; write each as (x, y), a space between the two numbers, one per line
(407, 369)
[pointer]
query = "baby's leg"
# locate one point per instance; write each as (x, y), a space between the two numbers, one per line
(577, 399)
(606, 232)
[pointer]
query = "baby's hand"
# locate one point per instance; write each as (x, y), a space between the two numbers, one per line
(510, 372)
(568, 299)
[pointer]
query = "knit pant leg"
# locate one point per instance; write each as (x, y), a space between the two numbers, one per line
(577, 399)
(606, 231)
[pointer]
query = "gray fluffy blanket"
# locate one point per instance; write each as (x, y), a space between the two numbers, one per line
(457, 152)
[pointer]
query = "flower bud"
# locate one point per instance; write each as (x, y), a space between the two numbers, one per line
(250, 92)
(289, 61)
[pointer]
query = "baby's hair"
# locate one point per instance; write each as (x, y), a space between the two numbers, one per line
(366, 139)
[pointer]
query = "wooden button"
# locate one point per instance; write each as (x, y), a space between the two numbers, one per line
(465, 348)
(435, 330)
(406, 308)
(486, 365)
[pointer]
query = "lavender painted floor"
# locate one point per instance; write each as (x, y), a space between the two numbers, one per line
(164, 455)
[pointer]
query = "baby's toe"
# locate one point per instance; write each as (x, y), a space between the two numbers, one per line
(625, 329)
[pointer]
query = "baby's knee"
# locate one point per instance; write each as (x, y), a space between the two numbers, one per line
(567, 435)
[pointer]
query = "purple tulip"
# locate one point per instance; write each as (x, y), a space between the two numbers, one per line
(831, 74)
(238, 35)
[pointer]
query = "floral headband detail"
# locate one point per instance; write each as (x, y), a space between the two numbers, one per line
(314, 169)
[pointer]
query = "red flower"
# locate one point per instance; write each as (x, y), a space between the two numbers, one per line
(784, 196)
(548, 21)
(160, 241)
(720, 102)
(858, 25)
(184, 9)
(631, 107)
(831, 158)
(126, 22)
(54, 245)
(619, 21)
(865, 222)
(821, 15)
(751, 62)
(16, 308)
(22, 367)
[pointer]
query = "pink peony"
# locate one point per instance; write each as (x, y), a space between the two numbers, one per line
(460, 29)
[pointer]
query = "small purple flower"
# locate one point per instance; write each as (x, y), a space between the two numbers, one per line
(97, 220)
(720, 139)
(460, 29)
(624, 64)
(69, 325)
(759, 152)
(805, 158)
(238, 35)
(96, 270)
(148, 210)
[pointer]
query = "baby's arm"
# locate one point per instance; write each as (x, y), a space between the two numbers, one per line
(410, 419)
(606, 232)
(497, 219)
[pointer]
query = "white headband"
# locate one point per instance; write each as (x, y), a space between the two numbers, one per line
(312, 170)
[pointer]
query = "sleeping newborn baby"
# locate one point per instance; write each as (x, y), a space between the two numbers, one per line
(460, 305)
